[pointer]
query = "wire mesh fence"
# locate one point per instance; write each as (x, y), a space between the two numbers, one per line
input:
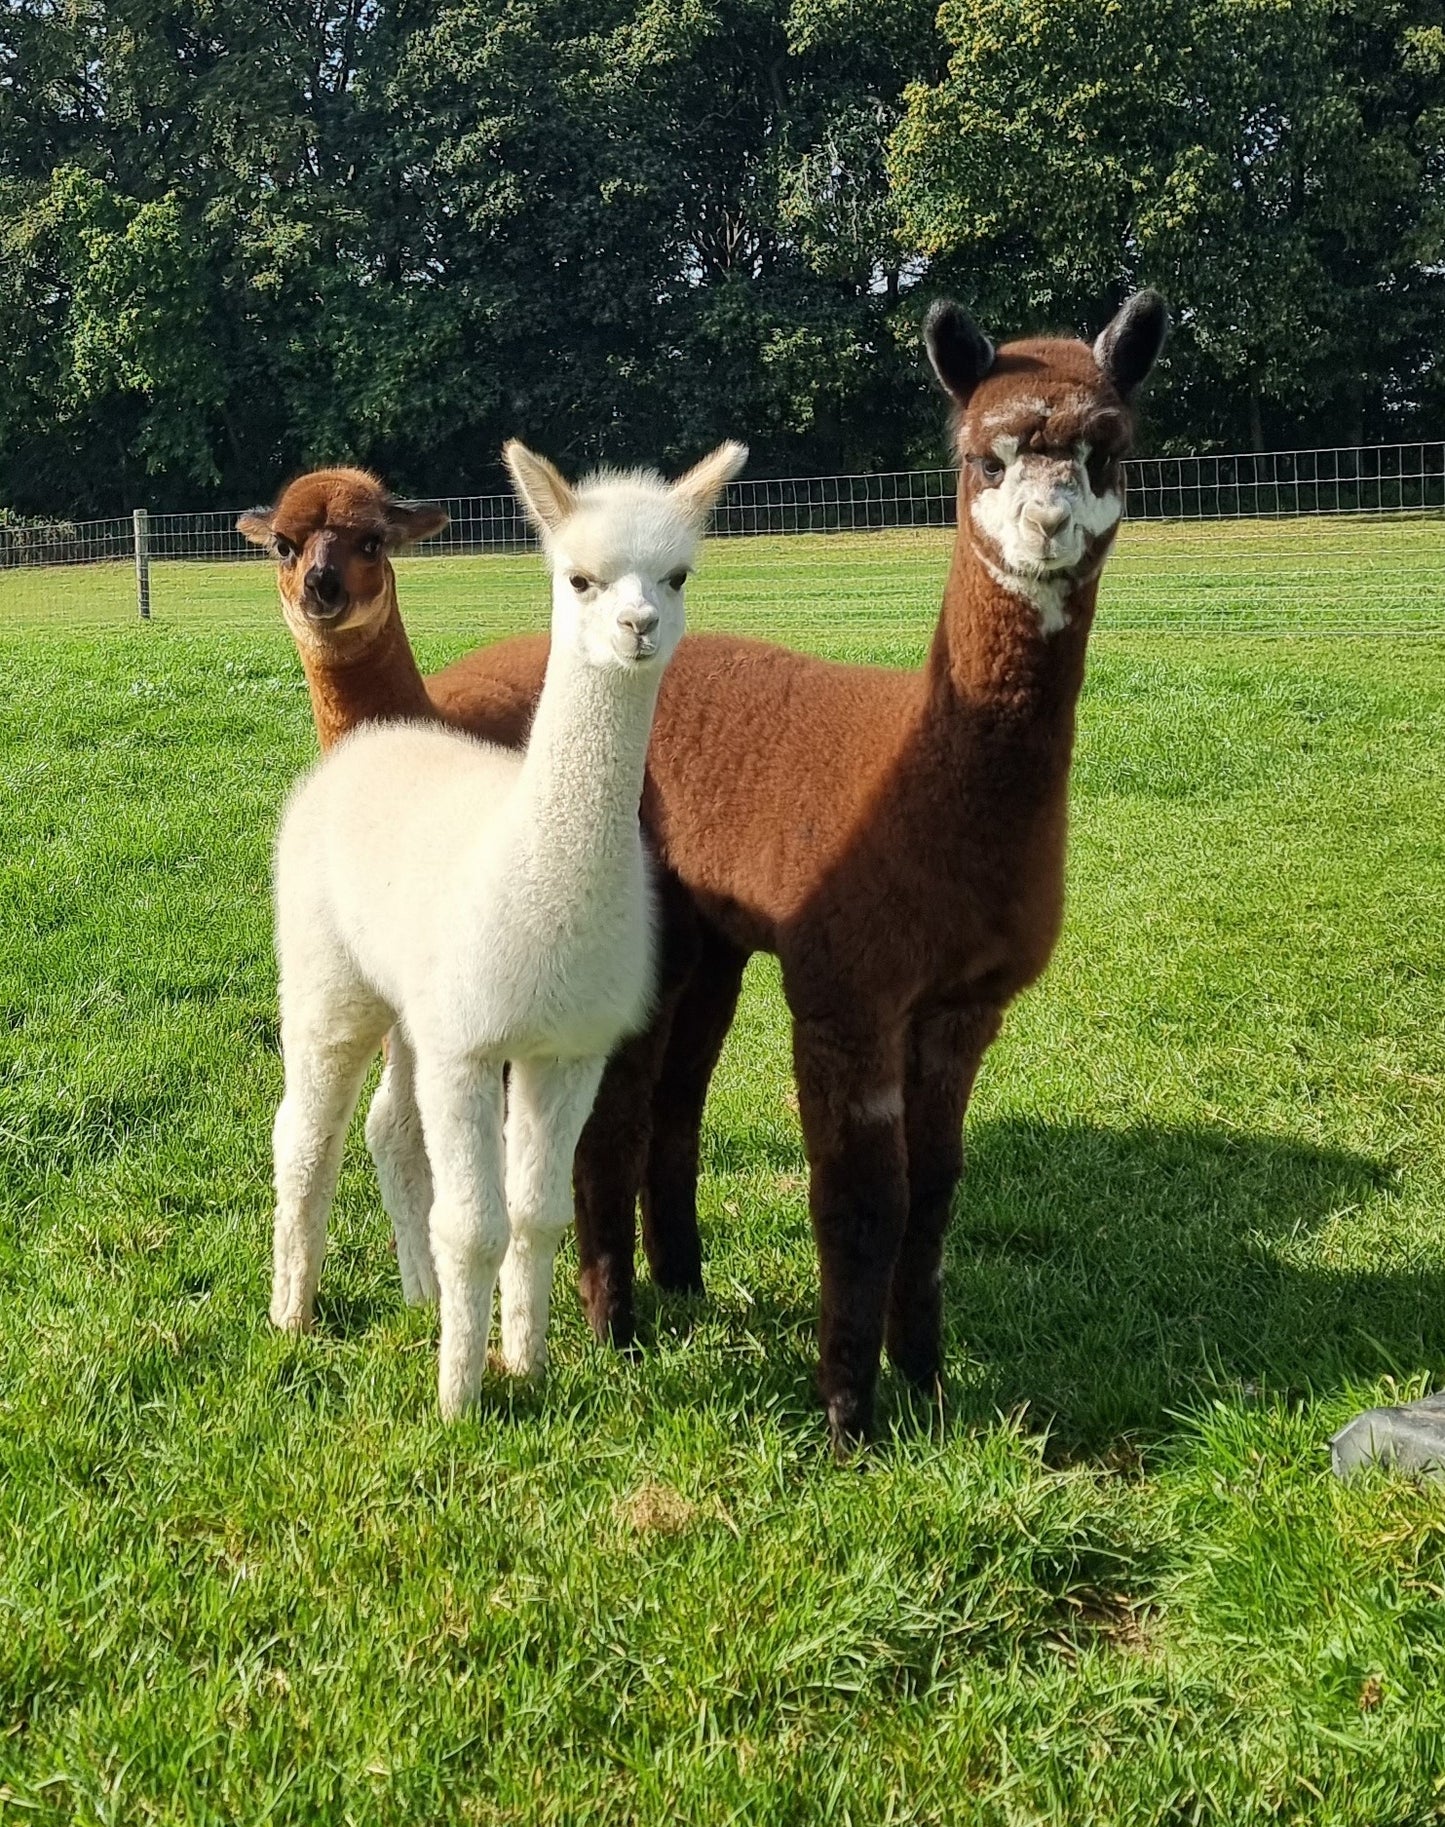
(1343, 540)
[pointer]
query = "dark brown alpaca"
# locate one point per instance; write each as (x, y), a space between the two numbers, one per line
(896, 839)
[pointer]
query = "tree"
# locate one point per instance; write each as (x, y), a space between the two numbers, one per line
(1273, 166)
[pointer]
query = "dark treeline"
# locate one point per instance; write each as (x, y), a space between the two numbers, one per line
(241, 236)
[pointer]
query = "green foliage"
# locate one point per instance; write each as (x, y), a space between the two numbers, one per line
(1273, 166)
(237, 240)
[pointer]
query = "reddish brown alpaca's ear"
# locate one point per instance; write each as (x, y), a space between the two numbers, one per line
(255, 525)
(408, 521)
(700, 488)
(542, 489)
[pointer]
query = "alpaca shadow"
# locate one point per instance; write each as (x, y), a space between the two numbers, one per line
(1109, 1279)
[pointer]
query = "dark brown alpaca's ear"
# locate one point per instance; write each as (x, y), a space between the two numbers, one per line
(960, 352)
(408, 521)
(255, 525)
(1128, 346)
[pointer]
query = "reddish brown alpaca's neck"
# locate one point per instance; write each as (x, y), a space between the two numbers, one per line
(370, 678)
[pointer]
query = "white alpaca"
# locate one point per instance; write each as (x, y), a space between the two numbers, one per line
(496, 909)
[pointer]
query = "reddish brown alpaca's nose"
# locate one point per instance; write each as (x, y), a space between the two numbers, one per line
(323, 583)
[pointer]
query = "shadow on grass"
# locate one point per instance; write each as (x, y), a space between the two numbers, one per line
(1108, 1279)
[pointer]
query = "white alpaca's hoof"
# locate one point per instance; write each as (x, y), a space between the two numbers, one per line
(530, 1365)
(419, 1284)
(286, 1316)
(458, 1386)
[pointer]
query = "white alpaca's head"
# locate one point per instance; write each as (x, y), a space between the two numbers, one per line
(620, 546)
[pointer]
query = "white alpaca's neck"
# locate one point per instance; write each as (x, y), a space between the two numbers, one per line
(578, 792)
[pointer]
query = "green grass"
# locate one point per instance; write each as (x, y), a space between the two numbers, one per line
(1385, 573)
(244, 1578)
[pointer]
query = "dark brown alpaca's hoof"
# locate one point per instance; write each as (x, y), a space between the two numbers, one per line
(673, 1280)
(850, 1419)
(608, 1308)
(920, 1366)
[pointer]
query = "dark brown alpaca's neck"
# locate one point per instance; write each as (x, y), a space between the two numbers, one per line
(995, 672)
(374, 679)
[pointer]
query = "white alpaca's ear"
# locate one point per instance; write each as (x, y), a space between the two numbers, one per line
(699, 489)
(542, 490)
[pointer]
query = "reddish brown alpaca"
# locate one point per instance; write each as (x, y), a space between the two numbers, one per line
(332, 534)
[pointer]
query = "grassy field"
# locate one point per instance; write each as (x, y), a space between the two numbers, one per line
(245, 1578)
(1244, 576)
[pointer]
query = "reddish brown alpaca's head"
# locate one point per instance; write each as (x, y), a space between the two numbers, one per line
(1041, 428)
(332, 533)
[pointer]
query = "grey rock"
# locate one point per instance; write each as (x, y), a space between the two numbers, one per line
(1410, 1438)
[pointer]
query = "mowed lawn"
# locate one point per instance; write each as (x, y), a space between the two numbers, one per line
(245, 1578)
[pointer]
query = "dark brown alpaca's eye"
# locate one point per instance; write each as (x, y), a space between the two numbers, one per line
(579, 582)
(677, 580)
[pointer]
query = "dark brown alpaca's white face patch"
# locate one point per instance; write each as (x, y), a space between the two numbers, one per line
(1040, 505)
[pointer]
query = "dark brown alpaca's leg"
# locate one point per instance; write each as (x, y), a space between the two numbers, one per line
(611, 1157)
(606, 1173)
(944, 1051)
(700, 1025)
(850, 1097)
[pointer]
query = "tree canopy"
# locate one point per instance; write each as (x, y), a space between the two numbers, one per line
(241, 236)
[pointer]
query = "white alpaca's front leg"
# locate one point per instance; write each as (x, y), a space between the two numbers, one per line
(394, 1136)
(461, 1111)
(323, 1079)
(548, 1104)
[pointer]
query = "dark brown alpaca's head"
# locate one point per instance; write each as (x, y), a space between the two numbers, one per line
(332, 533)
(1041, 429)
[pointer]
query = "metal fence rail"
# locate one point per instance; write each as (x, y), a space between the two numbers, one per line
(1354, 531)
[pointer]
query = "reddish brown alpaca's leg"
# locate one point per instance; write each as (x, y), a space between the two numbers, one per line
(944, 1051)
(669, 1193)
(850, 1097)
(612, 1152)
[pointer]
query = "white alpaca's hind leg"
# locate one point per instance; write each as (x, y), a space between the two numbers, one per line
(394, 1136)
(461, 1112)
(548, 1105)
(324, 1069)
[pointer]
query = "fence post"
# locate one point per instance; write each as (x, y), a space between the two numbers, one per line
(143, 563)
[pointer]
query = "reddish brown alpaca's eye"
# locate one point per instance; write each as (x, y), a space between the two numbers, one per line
(992, 468)
(285, 551)
(370, 547)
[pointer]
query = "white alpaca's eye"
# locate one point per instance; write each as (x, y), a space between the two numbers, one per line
(579, 582)
(677, 580)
